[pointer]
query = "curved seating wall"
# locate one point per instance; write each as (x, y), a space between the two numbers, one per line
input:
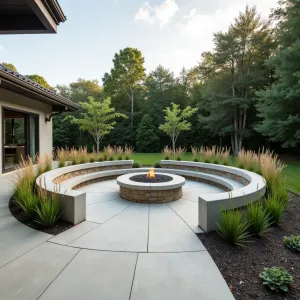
(72, 202)
(211, 205)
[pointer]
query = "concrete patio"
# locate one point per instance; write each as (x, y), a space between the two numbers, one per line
(123, 251)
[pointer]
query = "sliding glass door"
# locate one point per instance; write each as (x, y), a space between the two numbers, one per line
(19, 137)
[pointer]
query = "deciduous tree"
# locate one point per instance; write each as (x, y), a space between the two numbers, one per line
(176, 121)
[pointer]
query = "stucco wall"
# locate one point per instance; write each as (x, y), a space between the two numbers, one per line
(15, 101)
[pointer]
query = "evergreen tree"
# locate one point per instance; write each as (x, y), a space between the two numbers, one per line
(147, 138)
(279, 104)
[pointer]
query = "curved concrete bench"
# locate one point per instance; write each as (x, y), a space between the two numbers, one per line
(210, 206)
(72, 202)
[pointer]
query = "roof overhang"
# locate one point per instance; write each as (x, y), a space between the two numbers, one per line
(22, 85)
(30, 16)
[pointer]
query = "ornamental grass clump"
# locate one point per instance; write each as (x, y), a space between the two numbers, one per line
(292, 242)
(48, 209)
(128, 152)
(119, 151)
(24, 192)
(248, 159)
(73, 156)
(179, 152)
(83, 156)
(277, 278)
(196, 153)
(258, 219)
(109, 152)
(167, 153)
(61, 156)
(233, 228)
(275, 208)
(44, 163)
(157, 164)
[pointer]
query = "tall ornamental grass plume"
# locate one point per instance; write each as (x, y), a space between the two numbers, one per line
(109, 152)
(275, 208)
(249, 160)
(196, 153)
(167, 153)
(258, 219)
(179, 152)
(61, 156)
(48, 209)
(271, 169)
(24, 188)
(128, 151)
(44, 163)
(119, 151)
(83, 155)
(73, 156)
(213, 154)
(233, 228)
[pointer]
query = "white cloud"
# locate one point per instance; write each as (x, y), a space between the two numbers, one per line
(162, 13)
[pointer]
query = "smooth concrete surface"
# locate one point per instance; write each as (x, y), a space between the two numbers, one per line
(74, 233)
(128, 231)
(178, 276)
(39, 266)
(18, 239)
(27, 277)
(95, 275)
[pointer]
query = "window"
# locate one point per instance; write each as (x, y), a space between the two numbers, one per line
(20, 137)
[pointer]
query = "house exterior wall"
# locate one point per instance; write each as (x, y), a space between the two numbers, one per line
(12, 100)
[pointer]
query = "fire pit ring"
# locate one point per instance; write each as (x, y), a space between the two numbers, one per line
(150, 191)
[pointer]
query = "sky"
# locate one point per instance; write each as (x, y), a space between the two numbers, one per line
(172, 33)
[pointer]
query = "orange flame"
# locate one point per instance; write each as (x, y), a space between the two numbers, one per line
(151, 173)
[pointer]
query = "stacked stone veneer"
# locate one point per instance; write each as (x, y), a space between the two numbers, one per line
(235, 177)
(150, 196)
(69, 175)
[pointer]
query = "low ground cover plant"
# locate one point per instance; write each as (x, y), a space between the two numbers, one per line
(277, 278)
(136, 164)
(292, 242)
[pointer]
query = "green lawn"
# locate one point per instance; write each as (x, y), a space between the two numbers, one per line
(291, 171)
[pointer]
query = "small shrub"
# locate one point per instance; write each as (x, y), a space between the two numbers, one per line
(157, 164)
(292, 242)
(276, 278)
(178, 158)
(259, 220)
(233, 228)
(275, 209)
(136, 164)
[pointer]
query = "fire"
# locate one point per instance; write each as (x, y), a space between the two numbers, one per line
(151, 173)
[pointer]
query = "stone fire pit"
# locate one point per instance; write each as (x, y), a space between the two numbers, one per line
(150, 188)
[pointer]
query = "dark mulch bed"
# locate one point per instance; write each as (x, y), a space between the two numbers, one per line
(157, 179)
(59, 227)
(241, 267)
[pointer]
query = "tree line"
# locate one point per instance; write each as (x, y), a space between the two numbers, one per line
(245, 92)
